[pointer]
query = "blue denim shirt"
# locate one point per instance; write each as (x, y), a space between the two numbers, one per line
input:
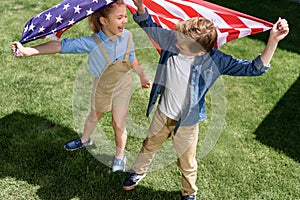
(204, 72)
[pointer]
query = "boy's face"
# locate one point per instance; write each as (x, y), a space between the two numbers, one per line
(116, 21)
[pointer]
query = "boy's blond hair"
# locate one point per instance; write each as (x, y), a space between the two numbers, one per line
(94, 19)
(198, 34)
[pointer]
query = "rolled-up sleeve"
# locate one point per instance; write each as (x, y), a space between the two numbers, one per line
(139, 18)
(257, 62)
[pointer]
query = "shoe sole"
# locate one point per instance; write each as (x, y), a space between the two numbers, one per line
(72, 149)
(129, 188)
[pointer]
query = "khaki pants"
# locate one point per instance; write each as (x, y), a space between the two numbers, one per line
(185, 143)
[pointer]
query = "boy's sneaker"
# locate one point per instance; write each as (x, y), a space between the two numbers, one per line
(132, 179)
(188, 197)
(76, 144)
(119, 164)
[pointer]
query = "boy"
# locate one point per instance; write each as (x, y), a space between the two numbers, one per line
(188, 67)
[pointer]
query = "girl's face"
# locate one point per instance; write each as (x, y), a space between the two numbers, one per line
(115, 22)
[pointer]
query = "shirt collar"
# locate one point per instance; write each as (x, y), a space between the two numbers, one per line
(104, 38)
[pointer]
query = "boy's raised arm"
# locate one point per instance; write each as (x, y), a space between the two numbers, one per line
(140, 6)
(277, 33)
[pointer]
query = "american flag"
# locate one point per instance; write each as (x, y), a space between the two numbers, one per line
(53, 22)
(230, 24)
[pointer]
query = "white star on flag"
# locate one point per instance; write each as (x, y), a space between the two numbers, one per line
(31, 27)
(25, 28)
(109, 1)
(66, 6)
(59, 19)
(71, 22)
(48, 16)
(77, 9)
(41, 30)
(89, 12)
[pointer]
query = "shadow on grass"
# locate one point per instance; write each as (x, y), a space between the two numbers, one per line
(32, 151)
(270, 10)
(281, 128)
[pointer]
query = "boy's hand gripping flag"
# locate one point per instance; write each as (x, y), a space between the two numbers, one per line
(231, 24)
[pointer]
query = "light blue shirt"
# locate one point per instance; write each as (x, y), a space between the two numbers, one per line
(115, 50)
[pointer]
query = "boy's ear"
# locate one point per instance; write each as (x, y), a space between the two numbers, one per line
(103, 20)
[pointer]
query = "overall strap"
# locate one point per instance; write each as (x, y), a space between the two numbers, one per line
(129, 44)
(106, 56)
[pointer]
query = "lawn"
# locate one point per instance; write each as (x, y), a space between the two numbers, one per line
(44, 101)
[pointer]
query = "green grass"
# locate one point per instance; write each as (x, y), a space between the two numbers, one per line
(256, 157)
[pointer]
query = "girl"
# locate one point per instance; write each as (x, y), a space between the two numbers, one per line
(111, 54)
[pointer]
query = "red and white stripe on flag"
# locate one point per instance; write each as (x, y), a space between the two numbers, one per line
(230, 24)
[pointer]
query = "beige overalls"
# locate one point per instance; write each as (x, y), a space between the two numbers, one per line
(114, 85)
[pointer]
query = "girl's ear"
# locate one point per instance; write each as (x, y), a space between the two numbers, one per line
(103, 20)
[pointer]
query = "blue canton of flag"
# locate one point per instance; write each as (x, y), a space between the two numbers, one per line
(54, 21)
